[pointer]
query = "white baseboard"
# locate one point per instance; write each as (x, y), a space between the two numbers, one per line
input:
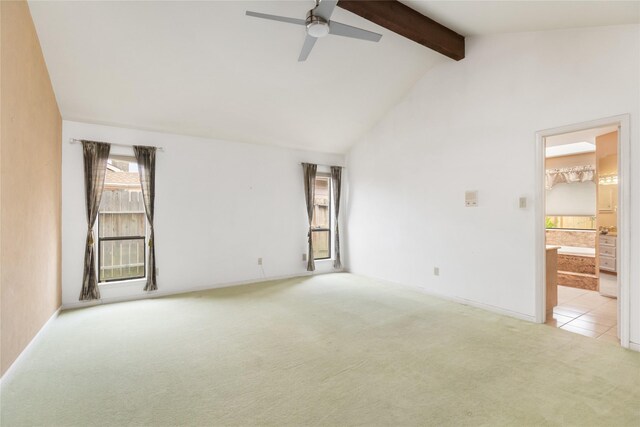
(634, 346)
(460, 300)
(12, 368)
(158, 294)
(483, 306)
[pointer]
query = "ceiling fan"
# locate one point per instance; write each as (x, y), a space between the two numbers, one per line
(318, 24)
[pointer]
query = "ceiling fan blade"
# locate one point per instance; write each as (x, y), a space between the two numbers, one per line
(325, 8)
(344, 30)
(306, 47)
(276, 18)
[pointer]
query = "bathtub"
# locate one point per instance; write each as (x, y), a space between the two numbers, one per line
(576, 264)
(577, 267)
(577, 251)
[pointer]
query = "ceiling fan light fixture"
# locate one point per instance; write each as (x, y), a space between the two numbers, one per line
(317, 27)
(318, 24)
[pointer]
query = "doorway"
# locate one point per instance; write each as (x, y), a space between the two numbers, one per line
(582, 228)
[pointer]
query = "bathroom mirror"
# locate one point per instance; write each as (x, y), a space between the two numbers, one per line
(605, 198)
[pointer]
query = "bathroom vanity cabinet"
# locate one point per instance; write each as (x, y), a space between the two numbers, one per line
(607, 254)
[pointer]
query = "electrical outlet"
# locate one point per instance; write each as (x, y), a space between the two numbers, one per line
(304, 257)
(436, 271)
(259, 261)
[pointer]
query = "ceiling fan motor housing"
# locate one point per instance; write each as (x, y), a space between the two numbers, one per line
(316, 26)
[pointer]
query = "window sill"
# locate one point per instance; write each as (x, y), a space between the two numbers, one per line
(120, 283)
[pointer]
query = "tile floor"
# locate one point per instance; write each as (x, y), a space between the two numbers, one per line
(587, 313)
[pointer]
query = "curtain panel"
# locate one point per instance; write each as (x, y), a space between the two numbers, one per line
(309, 174)
(96, 155)
(146, 158)
(584, 173)
(336, 180)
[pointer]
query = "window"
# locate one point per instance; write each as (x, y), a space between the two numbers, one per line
(321, 225)
(122, 223)
(572, 222)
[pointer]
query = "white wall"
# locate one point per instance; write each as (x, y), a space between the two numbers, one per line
(470, 125)
(575, 198)
(219, 206)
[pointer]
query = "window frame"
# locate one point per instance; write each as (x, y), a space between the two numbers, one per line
(323, 229)
(144, 256)
(100, 239)
(593, 218)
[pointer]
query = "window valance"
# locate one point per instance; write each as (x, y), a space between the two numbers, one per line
(569, 175)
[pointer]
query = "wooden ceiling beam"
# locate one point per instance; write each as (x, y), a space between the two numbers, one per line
(401, 19)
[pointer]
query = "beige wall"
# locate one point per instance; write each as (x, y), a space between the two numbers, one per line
(30, 177)
(571, 161)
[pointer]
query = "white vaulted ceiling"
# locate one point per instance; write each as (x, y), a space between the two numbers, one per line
(475, 18)
(204, 68)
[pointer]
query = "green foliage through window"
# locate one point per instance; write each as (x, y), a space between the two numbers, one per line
(571, 222)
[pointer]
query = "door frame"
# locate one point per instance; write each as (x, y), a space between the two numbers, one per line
(623, 217)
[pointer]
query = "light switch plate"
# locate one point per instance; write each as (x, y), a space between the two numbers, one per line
(523, 203)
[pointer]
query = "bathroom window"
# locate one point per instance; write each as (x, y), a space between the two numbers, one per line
(571, 222)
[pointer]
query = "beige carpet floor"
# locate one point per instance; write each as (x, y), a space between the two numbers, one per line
(326, 350)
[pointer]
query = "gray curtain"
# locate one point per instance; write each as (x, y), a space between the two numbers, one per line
(336, 179)
(96, 155)
(146, 157)
(309, 171)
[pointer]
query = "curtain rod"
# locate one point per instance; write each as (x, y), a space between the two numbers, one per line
(78, 141)
(343, 167)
